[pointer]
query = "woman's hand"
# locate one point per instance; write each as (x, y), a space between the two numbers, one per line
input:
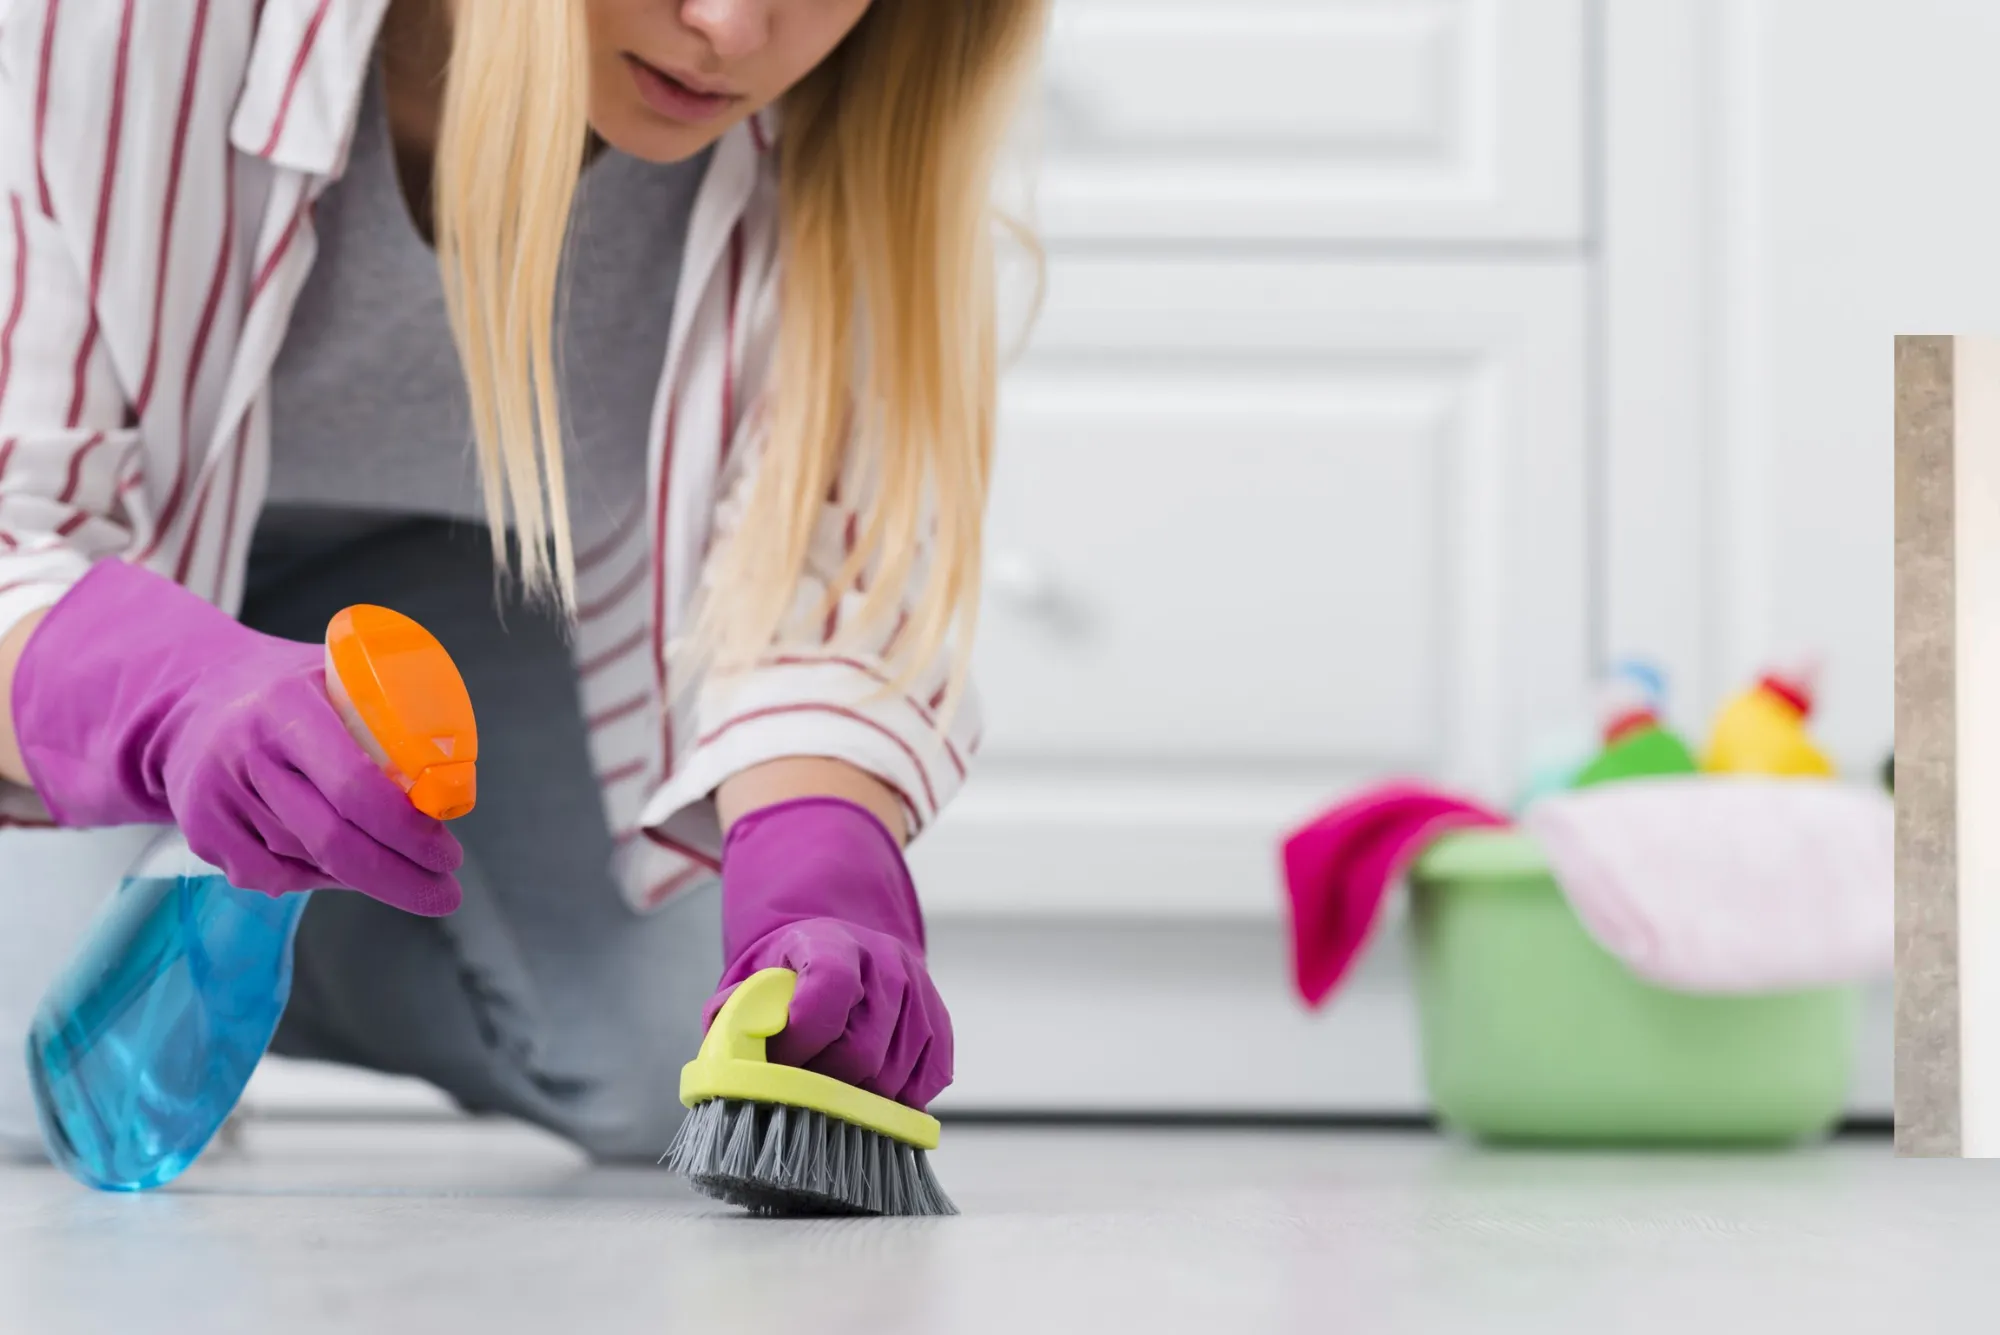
(135, 702)
(818, 885)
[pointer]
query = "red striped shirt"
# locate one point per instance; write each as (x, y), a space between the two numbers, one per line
(183, 253)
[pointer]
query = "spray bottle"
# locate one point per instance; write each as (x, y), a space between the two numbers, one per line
(1763, 729)
(144, 1044)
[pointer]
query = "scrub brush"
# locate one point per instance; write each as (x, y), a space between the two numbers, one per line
(778, 1140)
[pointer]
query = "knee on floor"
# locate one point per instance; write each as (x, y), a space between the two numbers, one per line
(631, 1118)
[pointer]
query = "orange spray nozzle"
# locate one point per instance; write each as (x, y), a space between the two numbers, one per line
(403, 699)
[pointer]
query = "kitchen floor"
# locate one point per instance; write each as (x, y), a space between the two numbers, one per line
(439, 1226)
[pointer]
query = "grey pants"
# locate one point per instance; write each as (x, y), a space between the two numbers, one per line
(543, 997)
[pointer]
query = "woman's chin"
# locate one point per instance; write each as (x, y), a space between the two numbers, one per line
(638, 131)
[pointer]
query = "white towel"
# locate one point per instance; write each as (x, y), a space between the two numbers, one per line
(1729, 885)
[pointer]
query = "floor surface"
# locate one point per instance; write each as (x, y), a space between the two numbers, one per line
(446, 1227)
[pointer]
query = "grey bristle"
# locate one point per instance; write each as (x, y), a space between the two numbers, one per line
(861, 1167)
(878, 1174)
(695, 1146)
(777, 1160)
(800, 1155)
(899, 1180)
(771, 1163)
(818, 1166)
(739, 1155)
(861, 1145)
(839, 1166)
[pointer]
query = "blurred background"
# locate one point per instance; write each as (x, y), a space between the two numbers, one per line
(1403, 363)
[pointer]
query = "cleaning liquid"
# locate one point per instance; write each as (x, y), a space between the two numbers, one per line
(1637, 744)
(141, 1049)
(144, 1044)
(1763, 730)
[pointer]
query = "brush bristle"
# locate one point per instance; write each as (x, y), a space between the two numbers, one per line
(772, 1159)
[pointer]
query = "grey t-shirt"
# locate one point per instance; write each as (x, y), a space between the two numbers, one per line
(369, 408)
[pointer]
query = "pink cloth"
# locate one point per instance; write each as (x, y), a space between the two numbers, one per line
(1339, 869)
(1729, 885)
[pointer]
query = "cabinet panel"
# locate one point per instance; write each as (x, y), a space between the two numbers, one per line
(1314, 119)
(1264, 513)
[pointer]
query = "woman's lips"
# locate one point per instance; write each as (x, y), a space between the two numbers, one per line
(675, 100)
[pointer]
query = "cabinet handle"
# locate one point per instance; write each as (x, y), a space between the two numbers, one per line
(1065, 117)
(1024, 586)
(1021, 583)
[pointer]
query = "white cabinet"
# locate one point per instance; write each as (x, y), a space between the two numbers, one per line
(1262, 529)
(1315, 120)
(1235, 481)
(1403, 360)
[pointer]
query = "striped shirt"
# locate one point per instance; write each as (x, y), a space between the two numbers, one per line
(159, 161)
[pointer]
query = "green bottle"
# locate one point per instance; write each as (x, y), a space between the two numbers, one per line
(1637, 745)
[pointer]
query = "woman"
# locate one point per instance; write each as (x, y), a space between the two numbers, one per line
(270, 267)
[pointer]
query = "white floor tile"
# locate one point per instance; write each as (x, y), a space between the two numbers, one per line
(440, 1227)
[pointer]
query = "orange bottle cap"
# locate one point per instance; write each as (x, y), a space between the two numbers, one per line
(408, 694)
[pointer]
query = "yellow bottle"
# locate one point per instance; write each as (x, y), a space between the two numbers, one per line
(1763, 731)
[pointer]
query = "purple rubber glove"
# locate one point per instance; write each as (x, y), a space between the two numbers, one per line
(135, 702)
(818, 886)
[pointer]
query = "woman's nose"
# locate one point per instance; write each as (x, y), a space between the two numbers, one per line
(734, 28)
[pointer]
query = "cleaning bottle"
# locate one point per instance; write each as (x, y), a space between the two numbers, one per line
(1554, 761)
(144, 1044)
(1763, 729)
(1559, 756)
(1637, 744)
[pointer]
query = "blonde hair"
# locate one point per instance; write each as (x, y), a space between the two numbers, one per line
(888, 326)
(509, 155)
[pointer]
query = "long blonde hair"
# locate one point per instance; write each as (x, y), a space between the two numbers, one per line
(887, 337)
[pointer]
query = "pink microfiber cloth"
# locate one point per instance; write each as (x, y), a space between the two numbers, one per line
(1728, 885)
(1339, 868)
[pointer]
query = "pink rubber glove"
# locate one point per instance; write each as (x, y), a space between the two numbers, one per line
(135, 702)
(818, 886)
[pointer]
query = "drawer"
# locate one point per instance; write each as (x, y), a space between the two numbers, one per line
(1314, 120)
(1286, 514)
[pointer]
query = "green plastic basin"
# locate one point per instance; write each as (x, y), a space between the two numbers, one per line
(1533, 1032)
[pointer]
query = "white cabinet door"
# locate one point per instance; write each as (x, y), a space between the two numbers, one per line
(1315, 120)
(1262, 530)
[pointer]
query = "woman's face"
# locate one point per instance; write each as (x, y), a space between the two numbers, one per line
(667, 77)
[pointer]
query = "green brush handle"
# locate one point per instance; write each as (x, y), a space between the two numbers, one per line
(732, 1065)
(756, 1011)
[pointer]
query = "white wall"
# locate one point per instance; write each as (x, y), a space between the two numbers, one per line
(1976, 573)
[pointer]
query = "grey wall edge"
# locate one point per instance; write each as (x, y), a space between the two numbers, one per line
(1927, 985)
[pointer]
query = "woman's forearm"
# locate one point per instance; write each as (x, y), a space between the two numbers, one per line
(762, 786)
(12, 768)
(808, 776)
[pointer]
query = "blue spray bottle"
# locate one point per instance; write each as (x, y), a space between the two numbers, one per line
(145, 1042)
